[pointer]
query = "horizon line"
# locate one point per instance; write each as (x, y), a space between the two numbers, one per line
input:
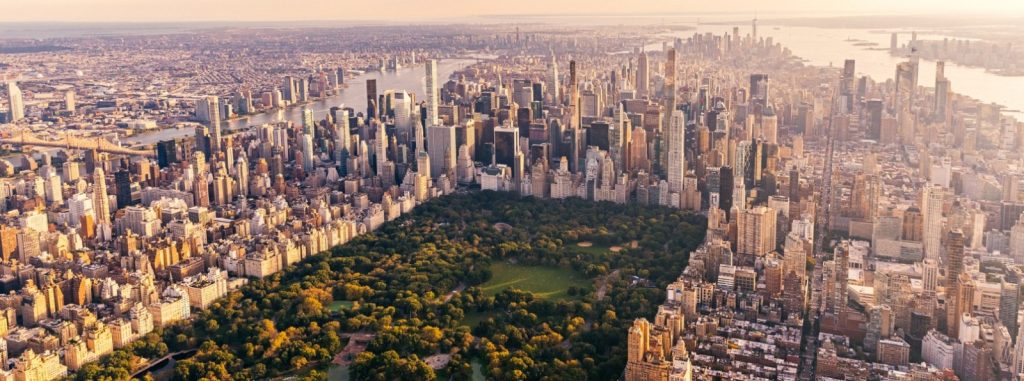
(775, 16)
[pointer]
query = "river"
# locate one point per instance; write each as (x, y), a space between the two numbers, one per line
(409, 78)
(829, 47)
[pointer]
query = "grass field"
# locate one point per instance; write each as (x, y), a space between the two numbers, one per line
(543, 281)
(473, 318)
(478, 373)
(337, 373)
(339, 305)
(591, 248)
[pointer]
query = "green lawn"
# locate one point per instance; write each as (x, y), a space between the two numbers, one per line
(339, 305)
(478, 373)
(473, 318)
(543, 281)
(593, 249)
(337, 373)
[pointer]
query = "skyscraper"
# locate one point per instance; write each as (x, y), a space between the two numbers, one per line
(16, 101)
(69, 100)
(839, 296)
(289, 89)
(753, 29)
(380, 146)
(670, 85)
(962, 292)
(433, 95)
(756, 232)
(932, 199)
(506, 144)
(574, 89)
(123, 183)
(166, 153)
(371, 98)
(99, 196)
(847, 89)
(308, 124)
(954, 256)
(1017, 241)
(643, 76)
(942, 91)
(242, 175)
(676, 151)
(307, 153)
(442, 150)
(759, 89)
(553, 80)
(343, 141)
(213, 104)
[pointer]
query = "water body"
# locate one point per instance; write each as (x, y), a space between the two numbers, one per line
(409, 78)
(829, 47)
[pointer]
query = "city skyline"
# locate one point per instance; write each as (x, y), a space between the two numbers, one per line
(572, 191)
(104, 11)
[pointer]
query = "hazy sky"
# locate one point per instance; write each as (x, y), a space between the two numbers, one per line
(447, 10)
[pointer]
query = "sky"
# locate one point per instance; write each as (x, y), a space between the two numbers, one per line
(455, 10)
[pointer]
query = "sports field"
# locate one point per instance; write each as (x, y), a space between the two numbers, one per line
(543, 281)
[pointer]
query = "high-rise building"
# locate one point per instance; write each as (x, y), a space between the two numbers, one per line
(166, 153)
(506, 144)
(650, 352)
(289, 89)
(200, 185)
(308, 124)
(16, 101)
(954, 256)
(433, 94)
(839, 295)
(123, 184)
(553, 84)
(755, 235)
(307, 153)
(962, 294)
(669, 92)
(676, 140)
(849, 75)
(930, 276)
(643, 76)
(343, 141)
(942, 92)
(69, 100)
(932, 199)
(100, 201)
(1009, 303)
(371, 98)
(213, 103)
(894, 351)
(203, 141)
(1017, 241)
(759, 89)
(906, 84)
(574, 102)
(442, 149)
(380, 148)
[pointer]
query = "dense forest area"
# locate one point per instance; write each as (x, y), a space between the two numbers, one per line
(399, 283)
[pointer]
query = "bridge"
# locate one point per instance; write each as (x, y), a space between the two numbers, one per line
(73, 142)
